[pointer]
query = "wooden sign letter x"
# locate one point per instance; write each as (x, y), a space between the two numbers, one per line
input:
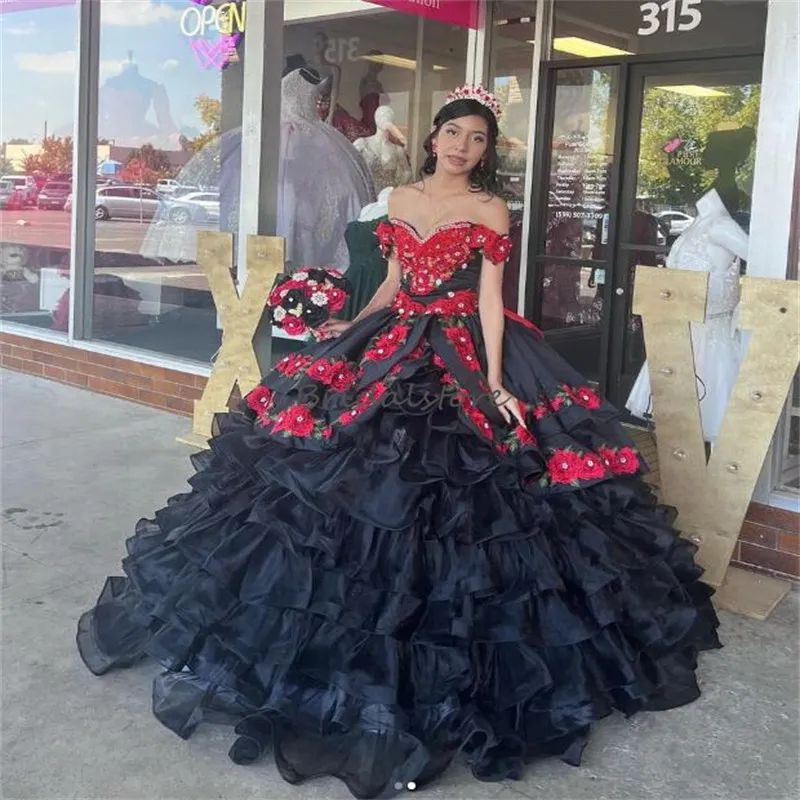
(236, 362)
(712, 498)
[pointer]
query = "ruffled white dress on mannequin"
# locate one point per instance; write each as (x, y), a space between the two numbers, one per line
(714, 243)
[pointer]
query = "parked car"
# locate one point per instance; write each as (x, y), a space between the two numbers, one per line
(126, 202)
(167, 186)
(194, 207)
(27, 185)
(678, 221)
(11, 196)
(54, 195)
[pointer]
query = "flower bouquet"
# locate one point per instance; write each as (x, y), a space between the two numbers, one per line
(301, 302)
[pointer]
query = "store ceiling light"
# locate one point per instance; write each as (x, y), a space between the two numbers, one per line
(397, 61)
(693, 91)
(586, 48)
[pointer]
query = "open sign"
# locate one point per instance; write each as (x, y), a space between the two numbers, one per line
(227, 19)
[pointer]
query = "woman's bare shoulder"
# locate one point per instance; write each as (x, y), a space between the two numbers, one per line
(403, 197)
(492, 211)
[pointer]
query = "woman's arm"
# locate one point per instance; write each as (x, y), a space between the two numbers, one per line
(490, 300)
(490, 309)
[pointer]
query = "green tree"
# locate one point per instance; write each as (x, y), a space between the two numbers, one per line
(155, 161)
(210, 112)
(55, 157)
(667, 116)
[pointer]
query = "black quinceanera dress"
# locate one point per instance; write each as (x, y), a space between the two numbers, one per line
(373, 573)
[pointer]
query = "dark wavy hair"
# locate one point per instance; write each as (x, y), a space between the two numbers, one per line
(483, 177)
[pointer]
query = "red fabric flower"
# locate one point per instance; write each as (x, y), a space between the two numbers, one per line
(296, 420)
(342, 377)
(293, 364)
(461, 303)
(524, 436)
(461, 340)
(564, 466)
(364, 402)
(557, 402)
(478, 418)
(584, 396)
(321, 370)
(336, 300)
(592, 468)
(293, 325)
(260, 399)
(624, 461)
(385, 234)
(387, 344)
(540, 411)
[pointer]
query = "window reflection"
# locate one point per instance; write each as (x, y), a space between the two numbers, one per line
(38, 52)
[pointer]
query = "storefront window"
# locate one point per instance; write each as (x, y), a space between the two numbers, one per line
(38, 54)
(360, 88)
(511, 65)
(589, 29)
(168, 161)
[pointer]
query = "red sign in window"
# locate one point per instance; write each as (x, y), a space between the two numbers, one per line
(454, 12)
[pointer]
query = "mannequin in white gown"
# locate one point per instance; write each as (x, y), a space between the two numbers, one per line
(386, 160)
(713, 243)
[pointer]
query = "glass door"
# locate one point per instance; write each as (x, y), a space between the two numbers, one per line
(630, 149)
(573, 213)
(690, 128)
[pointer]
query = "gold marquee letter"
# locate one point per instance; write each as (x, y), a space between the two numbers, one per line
(236, 362)
(712, 498)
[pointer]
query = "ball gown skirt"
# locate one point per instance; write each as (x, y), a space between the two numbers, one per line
(373, 574)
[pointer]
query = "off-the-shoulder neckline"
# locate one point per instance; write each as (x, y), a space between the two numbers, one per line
(439, 228)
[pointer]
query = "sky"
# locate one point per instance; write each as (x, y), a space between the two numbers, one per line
(38, 63)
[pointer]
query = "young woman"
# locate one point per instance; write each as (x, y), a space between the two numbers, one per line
(421, 537)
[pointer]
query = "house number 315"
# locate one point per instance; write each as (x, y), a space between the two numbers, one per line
(674, 15)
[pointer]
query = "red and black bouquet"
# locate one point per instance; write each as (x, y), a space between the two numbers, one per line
(305, 300)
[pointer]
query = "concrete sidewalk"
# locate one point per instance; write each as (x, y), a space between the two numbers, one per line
(79, 469)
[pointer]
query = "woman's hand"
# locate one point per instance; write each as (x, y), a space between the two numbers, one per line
(507, 404)
(331, 329)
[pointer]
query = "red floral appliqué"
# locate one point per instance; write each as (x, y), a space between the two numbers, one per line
(584, 396)
(292, 365)
(456, 304)
(518, 438)
(566, 466)
(496, 247)
(338, 374)
(260, 400)
(387, 344)
(461, 339)
(622, 461)
(364, 402)
(298, 420)
(430, 261)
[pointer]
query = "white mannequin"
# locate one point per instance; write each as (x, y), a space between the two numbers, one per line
(387, 161)
(378, 209)
(713, 243)
(326, 70)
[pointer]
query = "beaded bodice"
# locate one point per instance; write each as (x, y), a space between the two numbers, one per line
(299, 97)
(447, 259)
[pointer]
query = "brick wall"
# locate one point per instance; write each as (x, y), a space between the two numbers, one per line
(769, 541)
(158, 387)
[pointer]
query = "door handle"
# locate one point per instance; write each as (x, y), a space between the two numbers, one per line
(620, 291)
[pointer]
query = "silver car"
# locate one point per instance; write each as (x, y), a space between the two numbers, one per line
(126, 202)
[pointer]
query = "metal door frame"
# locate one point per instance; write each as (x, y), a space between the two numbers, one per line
(629, 101)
